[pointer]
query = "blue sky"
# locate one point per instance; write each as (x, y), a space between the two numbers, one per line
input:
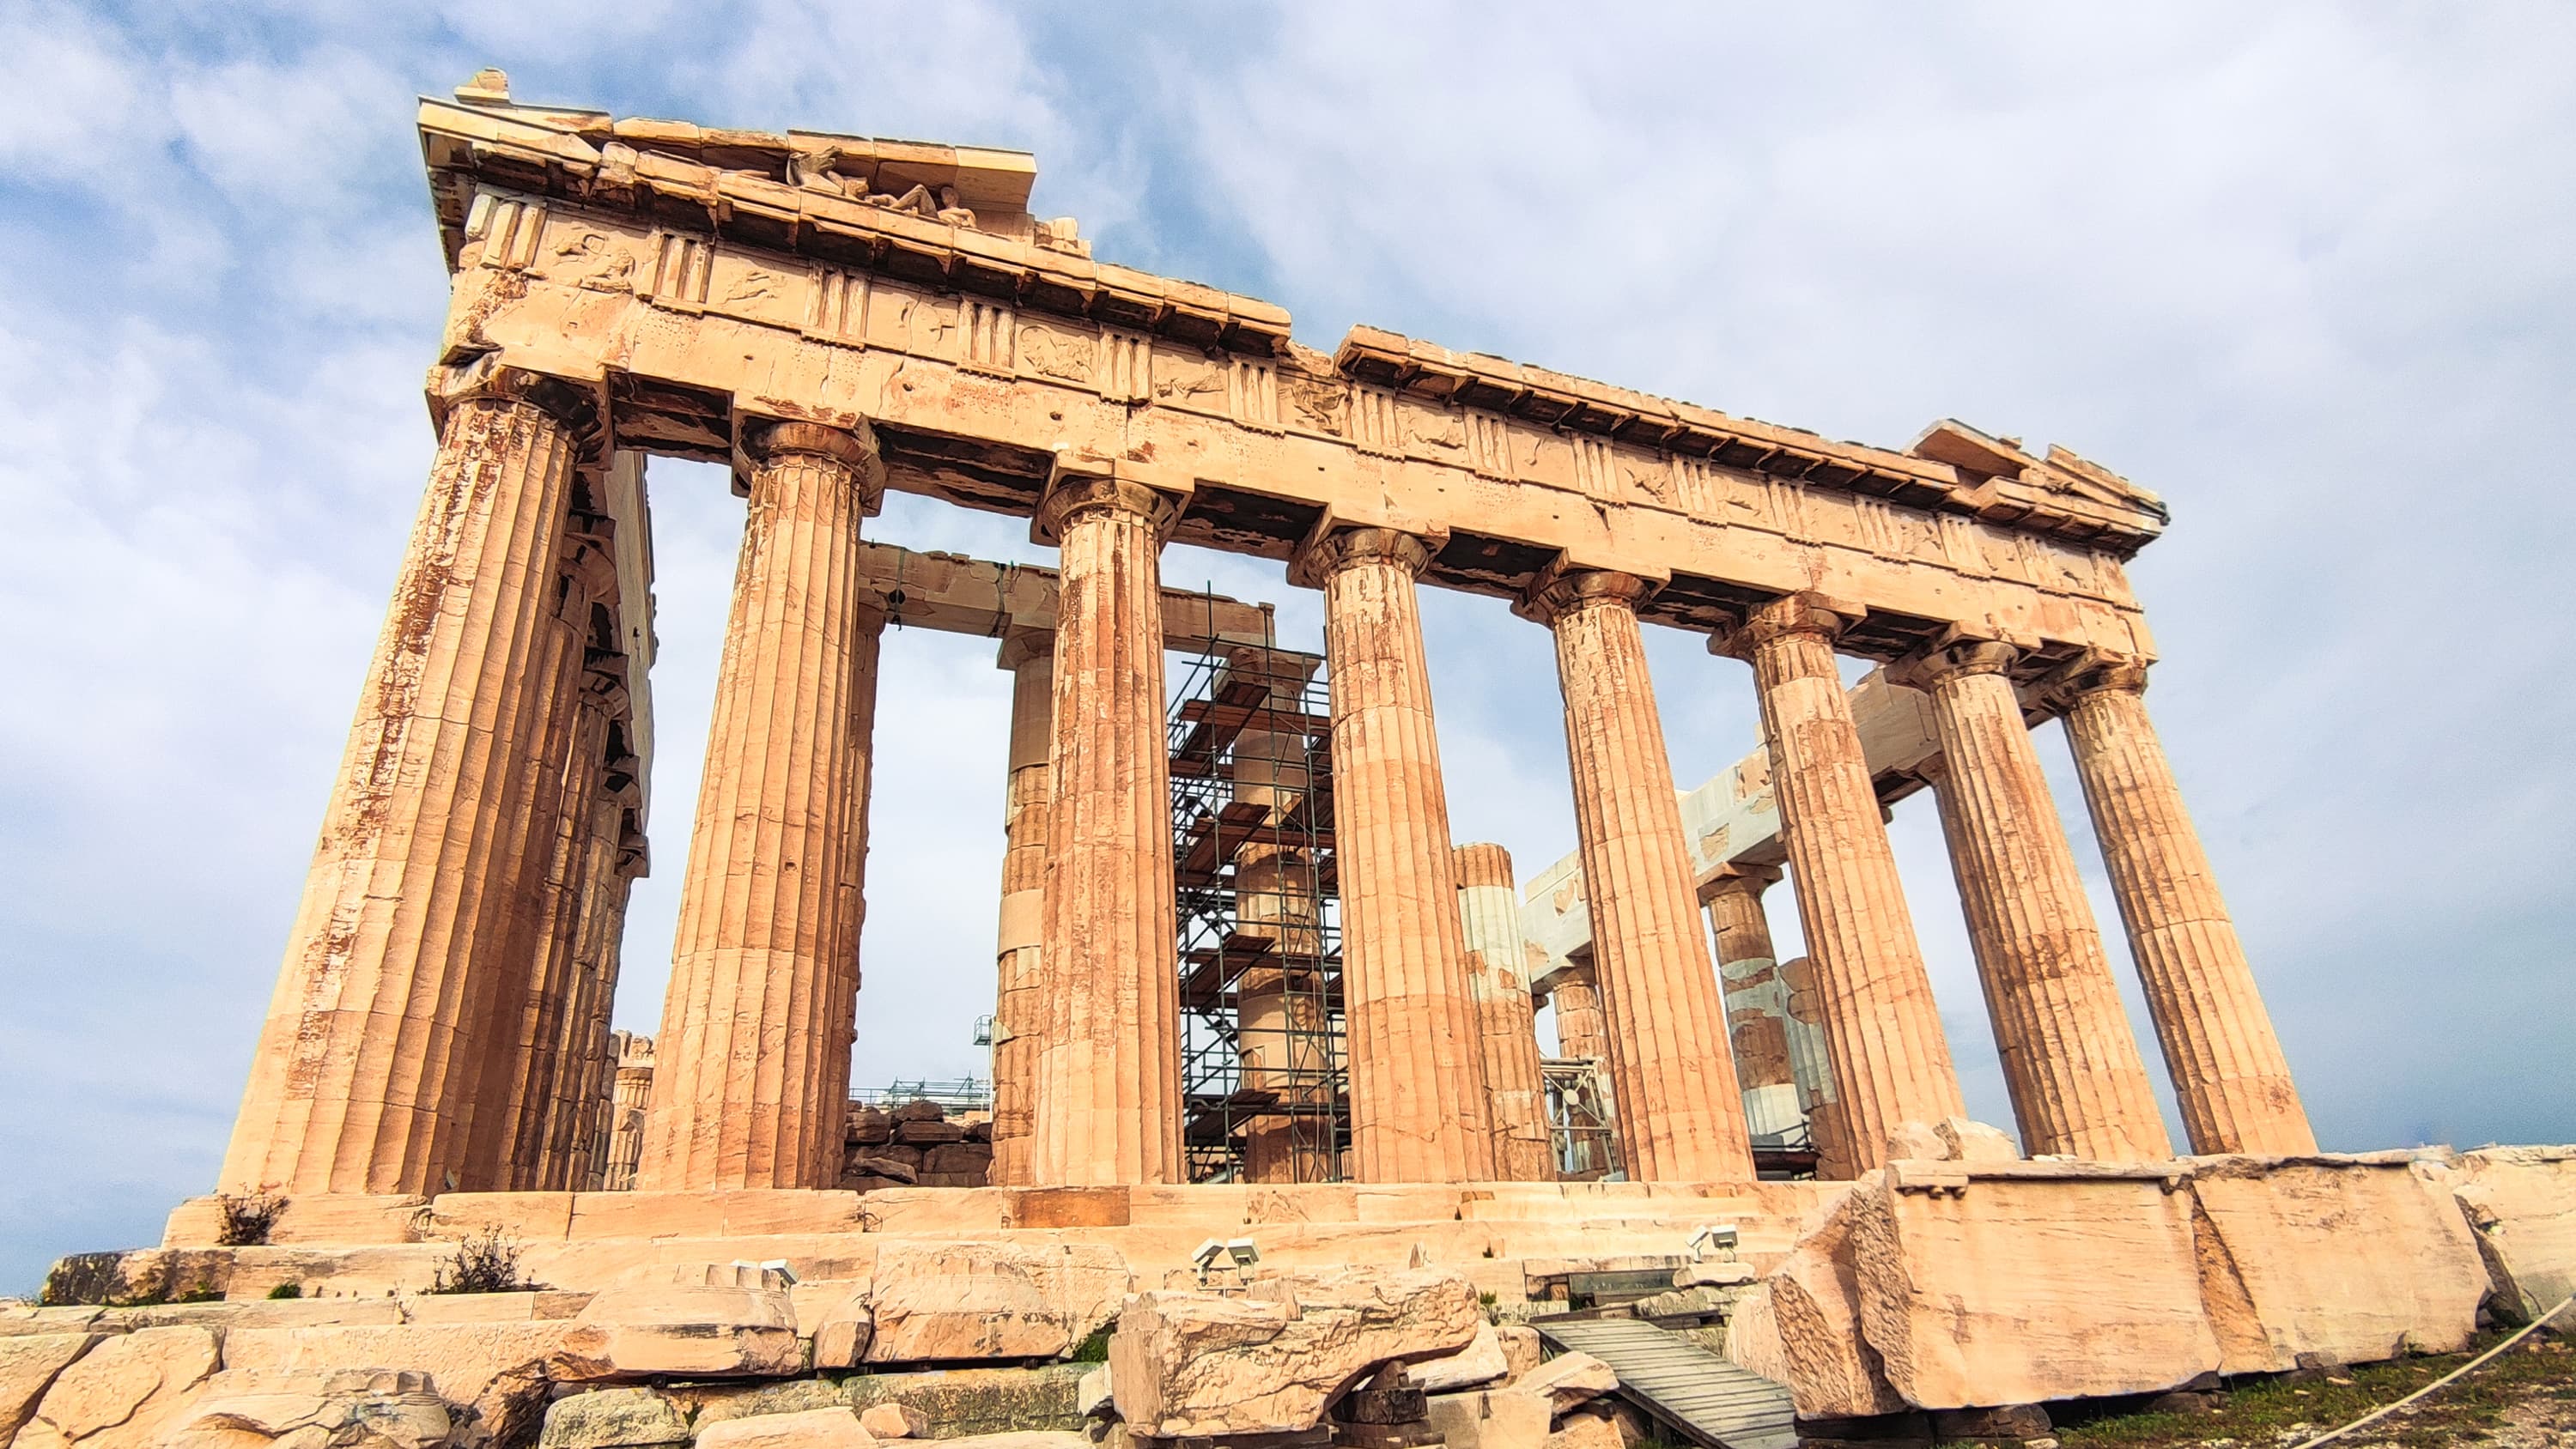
(2308, 271)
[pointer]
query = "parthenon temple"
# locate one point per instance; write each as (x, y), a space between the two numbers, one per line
(633, 288)
(1248, 987)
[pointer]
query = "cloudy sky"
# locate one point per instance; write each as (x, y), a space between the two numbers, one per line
(2308, 271)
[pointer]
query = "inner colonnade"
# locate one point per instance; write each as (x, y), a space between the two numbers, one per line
(626, 287)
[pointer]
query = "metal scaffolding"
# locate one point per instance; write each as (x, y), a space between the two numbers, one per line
(1580, 1119)
(1258, 917)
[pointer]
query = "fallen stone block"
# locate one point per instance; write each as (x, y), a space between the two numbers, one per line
(895, 1421)
(2353, 1259)
(978, 1401)
(711, 1319)
(1092, 1397)
(2025, 1287)
(1814, 1344)
(1569, 1381)
(1021, 1439)
(613, 1419)
(842, 1335)
(28, 1366)
(1753, 1336)
(834, 1428)
(344, 1408)
(869, 1127)
(1715, 1273)
(1272, 1361)
(1584, 1430)
(944, 1302)
(882, 1167)
(124, 1393)
(1493, 1419)
(928, 1134)
(2521, 1204)
(1481, 1362)
(713, 1403)
(503, 1371)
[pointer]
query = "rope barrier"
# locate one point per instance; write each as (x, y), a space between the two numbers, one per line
(2378, 1414)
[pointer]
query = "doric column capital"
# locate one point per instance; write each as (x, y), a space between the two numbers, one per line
(1750, 880)
(1562, 588)
(767, 438)
(1800, 613)
(2093, 672)
(1098, 485)
(1330, 549)
(577, 405)
(1954, 655)
(765, 442)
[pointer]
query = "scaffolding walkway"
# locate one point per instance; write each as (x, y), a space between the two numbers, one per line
(1698, 1395)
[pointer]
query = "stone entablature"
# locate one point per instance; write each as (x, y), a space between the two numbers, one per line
(691, 293)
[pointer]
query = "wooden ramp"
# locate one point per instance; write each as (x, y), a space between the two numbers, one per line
(1692, 1391)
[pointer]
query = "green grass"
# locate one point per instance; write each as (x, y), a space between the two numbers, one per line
(2260, 1411)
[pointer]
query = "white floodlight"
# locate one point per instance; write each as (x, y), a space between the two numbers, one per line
(1243, 1252)
(1719, 1236)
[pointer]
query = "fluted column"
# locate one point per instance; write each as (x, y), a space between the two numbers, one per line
(2070, 1062)
(1681, 1115)
(1891, 1061)
(1581, 1032)
(2228, 1071)
(1019, 1001)
(1416, 1078)
(1811, 1067)
(1489, 912)
(752, 1082)
(1758, 1001)
(1109, 1096)
(632, 1089)
(571, 1119)
(509, 1148)
(369, 1057)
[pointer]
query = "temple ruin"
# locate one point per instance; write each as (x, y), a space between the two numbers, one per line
(1258, 1014)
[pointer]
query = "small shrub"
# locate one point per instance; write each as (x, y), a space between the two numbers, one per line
(287, 1290)
(1094, 1349)
(486, 1262)
(202, 1294)
(248, 1217)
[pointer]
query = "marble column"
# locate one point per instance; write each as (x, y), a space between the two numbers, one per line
(1811, 1067)
(2071, 1064)
(633, 1088)
(568, 1127)
(368, 1059)
(2228, 1072)
(1758, 1000)
(1019, 1000)
(1516, 1098)
(1283, 1023)
(1681, 1115)
(1109, 1094)
(512, 1143)
(1891, 1061)
(752, 1086)
(1582, 1034)
(1416, 1079)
